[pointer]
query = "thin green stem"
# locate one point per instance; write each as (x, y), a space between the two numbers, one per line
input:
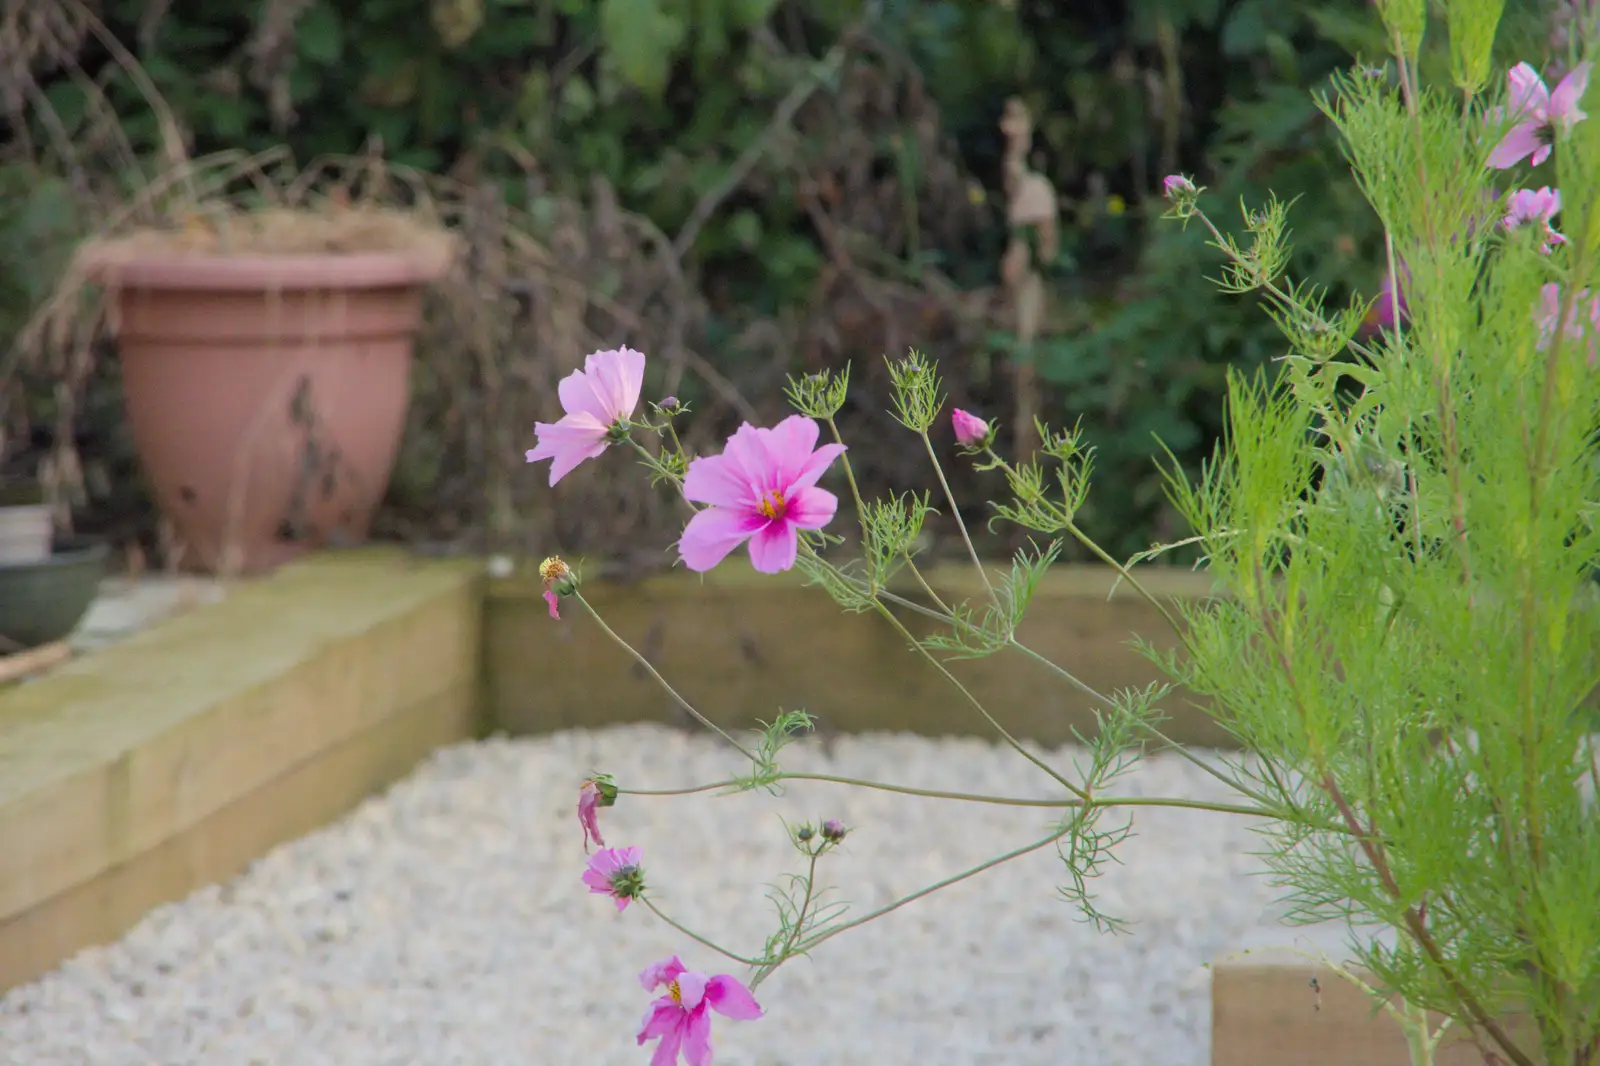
(1101, 554)
(787, 950)
(977, 704)
(830, 933)
(955, 513)
(1170, 744)
(696, 937)
(850, 476)
(653, 672)
(932, 595)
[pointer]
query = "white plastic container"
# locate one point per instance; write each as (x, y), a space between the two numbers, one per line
(25, 534)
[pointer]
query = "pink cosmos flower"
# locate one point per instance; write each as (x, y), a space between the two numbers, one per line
(679, 1018)
(595, 399)
(971, 431)
(1539, 114)
(762, 488)
(1536, 207)
(615, 872)
(1586, 305)
(1381, 315)
(589, 813)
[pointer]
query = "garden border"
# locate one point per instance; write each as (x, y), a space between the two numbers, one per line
(137, 773)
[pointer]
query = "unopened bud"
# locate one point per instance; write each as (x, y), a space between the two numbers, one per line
(805, 833)
(1176, 186)
(833, 830)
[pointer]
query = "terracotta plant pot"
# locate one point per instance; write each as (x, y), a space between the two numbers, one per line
(266, 393)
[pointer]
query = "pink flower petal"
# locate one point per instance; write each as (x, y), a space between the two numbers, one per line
(578, 397)
(811, 508)
(747, 450)
(1521, 142)
(814, 467)
(554, 602)
(1564, 101)
(730, 998)
(713, 533)
(789, 447)
(697, 1039)
(666, 1053)
(589, 813)
(691, 988)
(662, 1018)
(773, 550)
(1528, 93)
(617, 377)
(718, 480)
(661, 973)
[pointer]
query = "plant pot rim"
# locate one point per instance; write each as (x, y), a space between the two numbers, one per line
(65, 552)
(122, 268)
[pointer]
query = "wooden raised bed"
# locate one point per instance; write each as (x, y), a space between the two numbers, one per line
(137, 773)
(741, 645)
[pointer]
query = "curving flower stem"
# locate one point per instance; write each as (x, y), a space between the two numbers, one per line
(955, 512)
(681, 702)
(963, 797)
(1101, 554)
(976, 703)
(696, 937)
(850, 476)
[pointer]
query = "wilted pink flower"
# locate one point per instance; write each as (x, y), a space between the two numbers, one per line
(615, 872)
(555, 575)
(679, 1018)
(762, 488)
(1382, 313)
(1529, 206)
(1175, 185)
(595, 399)
(1585, 306)
(971, 431)
(589, 813)
(1539, 114)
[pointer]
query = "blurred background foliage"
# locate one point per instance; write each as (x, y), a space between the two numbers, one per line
(746, 188)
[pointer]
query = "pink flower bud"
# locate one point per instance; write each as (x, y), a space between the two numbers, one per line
(1176, 185)
(971, 431)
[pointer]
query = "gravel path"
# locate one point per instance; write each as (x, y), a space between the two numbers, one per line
(445, 924)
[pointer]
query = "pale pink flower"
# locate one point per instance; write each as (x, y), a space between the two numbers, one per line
(555, 575)
(595, 399)
(1585, 306)
(615, 872)
(589, 813)
(971, 431)
(1538, 113)
(762, 488)
(1536, 207)
(680, 1020)
(1381, 315)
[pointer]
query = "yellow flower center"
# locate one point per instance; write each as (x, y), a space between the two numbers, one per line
(675, 993)
(771, 505)
(553, 569)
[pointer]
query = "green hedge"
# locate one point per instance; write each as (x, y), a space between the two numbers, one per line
(660, 98)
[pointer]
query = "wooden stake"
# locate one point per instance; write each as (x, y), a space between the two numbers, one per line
(20, 665)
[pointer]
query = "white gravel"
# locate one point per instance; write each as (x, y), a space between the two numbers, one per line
(444, 923)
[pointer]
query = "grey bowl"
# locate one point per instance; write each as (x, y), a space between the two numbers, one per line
(43, 601)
